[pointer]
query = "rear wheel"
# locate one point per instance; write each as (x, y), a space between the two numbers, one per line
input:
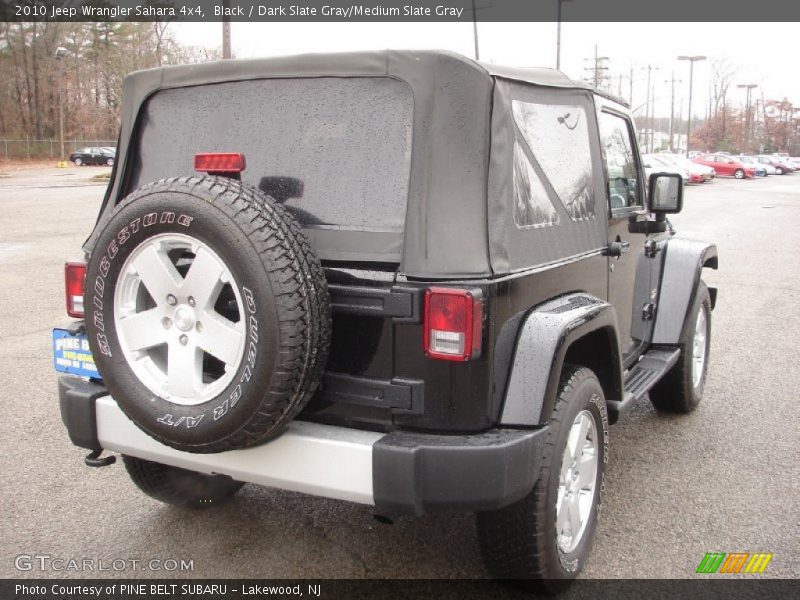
(739, 174)
(681, 389)
(779, 170)
(547, 536)
(179, 487)
(110, 162)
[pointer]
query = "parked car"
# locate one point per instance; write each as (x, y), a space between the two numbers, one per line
(725, 165)
(705, 173)
(781, 167)
(315, 297)
(768, 166)
(786, 160)
(654, 164)
(93, 156)
(759, 169)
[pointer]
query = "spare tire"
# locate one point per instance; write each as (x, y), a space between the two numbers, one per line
(207, 313)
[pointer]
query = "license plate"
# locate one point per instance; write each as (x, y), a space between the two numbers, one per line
(71, 354)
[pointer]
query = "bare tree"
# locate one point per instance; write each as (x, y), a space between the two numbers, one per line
(90, 74)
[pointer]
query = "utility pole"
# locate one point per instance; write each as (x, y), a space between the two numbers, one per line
(648, 114)
(630, 91)
(652, 115)
(598, 68)
(749, 87)
(692, 60)
(60, 54)
(672, 82)
(475, 30)
(226, 31)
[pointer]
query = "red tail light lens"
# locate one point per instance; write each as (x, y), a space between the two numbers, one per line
(219, 162)
(74, 278)
(453, 323)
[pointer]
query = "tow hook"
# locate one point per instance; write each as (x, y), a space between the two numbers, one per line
(93, 459)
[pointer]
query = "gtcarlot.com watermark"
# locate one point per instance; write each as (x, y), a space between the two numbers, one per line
(57, 564)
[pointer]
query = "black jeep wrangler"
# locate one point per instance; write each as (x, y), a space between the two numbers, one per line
(405, 279)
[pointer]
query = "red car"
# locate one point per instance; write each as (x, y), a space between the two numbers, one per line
(725, 165)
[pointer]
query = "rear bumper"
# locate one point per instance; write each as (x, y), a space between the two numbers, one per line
(400, 473)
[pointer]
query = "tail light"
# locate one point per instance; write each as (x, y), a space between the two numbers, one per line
(453, 323)
(219, 163)
(74, 278)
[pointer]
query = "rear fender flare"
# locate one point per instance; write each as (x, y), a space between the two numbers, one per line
(545, 337)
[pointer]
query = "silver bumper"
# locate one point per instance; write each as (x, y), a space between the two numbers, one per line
(322, 460)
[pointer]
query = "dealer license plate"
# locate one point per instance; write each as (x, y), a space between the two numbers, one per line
(71, 354)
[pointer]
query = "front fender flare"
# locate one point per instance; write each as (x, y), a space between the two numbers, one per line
(542, 343)
(683, 264)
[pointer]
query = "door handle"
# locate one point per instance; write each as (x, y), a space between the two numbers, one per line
(618, 248)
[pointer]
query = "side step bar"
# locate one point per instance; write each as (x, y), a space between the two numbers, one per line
(653, 365)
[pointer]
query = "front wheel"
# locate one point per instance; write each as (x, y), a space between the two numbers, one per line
(779, 171)
(681, 390)
(78, 162)
(547, 535)
(179, 487)
(110, 162)
(739, 174)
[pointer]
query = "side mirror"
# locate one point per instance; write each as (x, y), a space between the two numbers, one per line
(665, 193)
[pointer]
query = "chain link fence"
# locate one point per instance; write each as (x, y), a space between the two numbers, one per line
(16, 149)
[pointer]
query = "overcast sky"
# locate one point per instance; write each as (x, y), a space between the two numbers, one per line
(765, 53)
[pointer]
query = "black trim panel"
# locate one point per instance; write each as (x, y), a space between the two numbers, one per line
(414, 473)
(76, 399)
(402, 395)
(400, 303)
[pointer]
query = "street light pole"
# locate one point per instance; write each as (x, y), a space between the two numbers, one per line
(692, 60)
(749, 87)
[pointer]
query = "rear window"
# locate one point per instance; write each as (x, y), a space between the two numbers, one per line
(335, 151)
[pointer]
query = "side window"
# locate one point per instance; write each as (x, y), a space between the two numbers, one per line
(532, 207)
(620, 162)
(557, 136)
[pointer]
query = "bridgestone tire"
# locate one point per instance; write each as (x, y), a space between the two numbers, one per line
(280, 285)
(520, 541)
(180, 487)
(676, 392)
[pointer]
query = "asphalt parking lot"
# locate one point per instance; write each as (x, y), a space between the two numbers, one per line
(726, 478)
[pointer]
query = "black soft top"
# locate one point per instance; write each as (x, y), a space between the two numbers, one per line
(447, 226)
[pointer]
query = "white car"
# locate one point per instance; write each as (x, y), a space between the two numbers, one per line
(654, 164)
(698, 173)
(761, 169)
